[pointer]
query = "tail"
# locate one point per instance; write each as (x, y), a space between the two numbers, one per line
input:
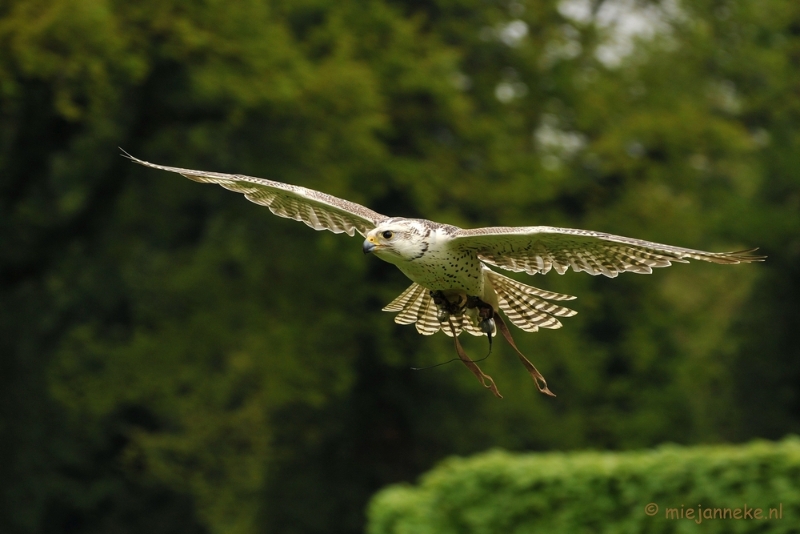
(416, 306)
(526, 306)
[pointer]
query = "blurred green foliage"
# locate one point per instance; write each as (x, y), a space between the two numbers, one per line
(666, 490)
(177, 359)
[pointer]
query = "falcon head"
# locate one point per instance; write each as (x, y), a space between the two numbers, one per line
(397, 240)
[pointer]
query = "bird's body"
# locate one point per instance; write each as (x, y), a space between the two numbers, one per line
(429, 257)
(454, 287)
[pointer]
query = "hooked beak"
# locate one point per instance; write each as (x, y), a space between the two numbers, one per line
(368, 246)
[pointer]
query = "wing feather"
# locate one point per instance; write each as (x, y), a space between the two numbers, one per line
(538, 249)
(318, 210)
(525, 305)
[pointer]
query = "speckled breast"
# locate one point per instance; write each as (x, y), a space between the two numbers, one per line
(443, 270)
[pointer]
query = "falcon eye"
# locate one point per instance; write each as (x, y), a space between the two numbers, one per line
(387, 234)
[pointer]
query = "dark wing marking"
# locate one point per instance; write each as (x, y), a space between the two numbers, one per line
(537, 249)
(318, 210)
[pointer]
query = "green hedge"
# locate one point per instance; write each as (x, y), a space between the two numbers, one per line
(589, 492)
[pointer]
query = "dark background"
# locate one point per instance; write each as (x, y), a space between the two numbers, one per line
(176, 359)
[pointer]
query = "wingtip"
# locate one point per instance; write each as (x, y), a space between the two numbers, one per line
(125, 154)
(747, 256)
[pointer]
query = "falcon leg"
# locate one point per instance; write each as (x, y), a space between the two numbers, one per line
(487, 323)
(541, 383)
(447, 307)
(486, 314)
(485, 379)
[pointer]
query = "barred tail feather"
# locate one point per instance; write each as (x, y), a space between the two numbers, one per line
(464, 323)
(427, 318)
(402, 301)
(526, 306)
(416, 306)
(408, 304)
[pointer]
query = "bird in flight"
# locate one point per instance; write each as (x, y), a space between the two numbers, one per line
(454, 289)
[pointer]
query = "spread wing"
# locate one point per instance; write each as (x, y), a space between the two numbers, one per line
(537, 249)
(318, 210)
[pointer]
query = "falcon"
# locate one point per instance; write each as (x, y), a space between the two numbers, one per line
(454, 289)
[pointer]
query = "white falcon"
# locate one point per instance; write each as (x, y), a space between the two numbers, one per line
(453, 287)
